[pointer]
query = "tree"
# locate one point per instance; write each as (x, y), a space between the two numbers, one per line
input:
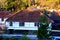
(42, 33)
(16, 5)
(10, 5)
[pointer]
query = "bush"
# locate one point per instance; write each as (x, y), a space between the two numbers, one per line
(42, 31)
(1, 38)
(5, 38)
(14, 38)
(24, 38)
(42, 28)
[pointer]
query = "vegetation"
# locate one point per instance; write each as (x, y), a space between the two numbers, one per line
(24, 37)
(15, 5)
(47, 3)
(42, 29)
(43, 32)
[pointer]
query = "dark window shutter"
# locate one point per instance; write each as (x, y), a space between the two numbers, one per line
(2, 19)
(36, 24)
(11, 24)
(21, 23)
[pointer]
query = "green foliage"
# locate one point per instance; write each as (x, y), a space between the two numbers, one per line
(10, 5)
(5, 38)
(16, 5)
(1, 38)
(42, 32)
(24, 38)
(14, 38)
(43, 19)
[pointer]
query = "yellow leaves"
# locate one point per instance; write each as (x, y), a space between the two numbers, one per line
(36, 1)
(24, 0)
(50, 3)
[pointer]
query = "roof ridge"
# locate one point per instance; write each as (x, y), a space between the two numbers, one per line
(12, 14)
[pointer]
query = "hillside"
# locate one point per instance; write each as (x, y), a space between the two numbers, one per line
(21, 4)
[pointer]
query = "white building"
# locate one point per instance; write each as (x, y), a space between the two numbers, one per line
(24, 21)
(3, 19)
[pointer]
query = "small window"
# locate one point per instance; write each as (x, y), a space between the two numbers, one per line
(11, 24)
(2, 19)
(21, 24)
(36, 24)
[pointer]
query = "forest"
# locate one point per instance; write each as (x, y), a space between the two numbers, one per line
(16, 5)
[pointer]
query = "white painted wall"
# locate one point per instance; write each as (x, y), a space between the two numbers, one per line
(50, 26)
(27, 26)
(7, 24)
(0, 20)
(15, 24)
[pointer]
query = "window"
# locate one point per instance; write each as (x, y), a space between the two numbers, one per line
(11, 24)
(36, 24)
(21, 23)
(2, 19)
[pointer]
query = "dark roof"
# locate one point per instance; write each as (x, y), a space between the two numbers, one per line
(3, 14)
(26, 16)
(55, 17)
(32, 16)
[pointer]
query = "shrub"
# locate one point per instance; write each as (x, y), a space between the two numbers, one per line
(42, 32)
(14, 38)
(24, 38)
(1, 38)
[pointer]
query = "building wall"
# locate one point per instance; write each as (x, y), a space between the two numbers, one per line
(2, 20)
(29, 24)
(2, 25)
(26, 26)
